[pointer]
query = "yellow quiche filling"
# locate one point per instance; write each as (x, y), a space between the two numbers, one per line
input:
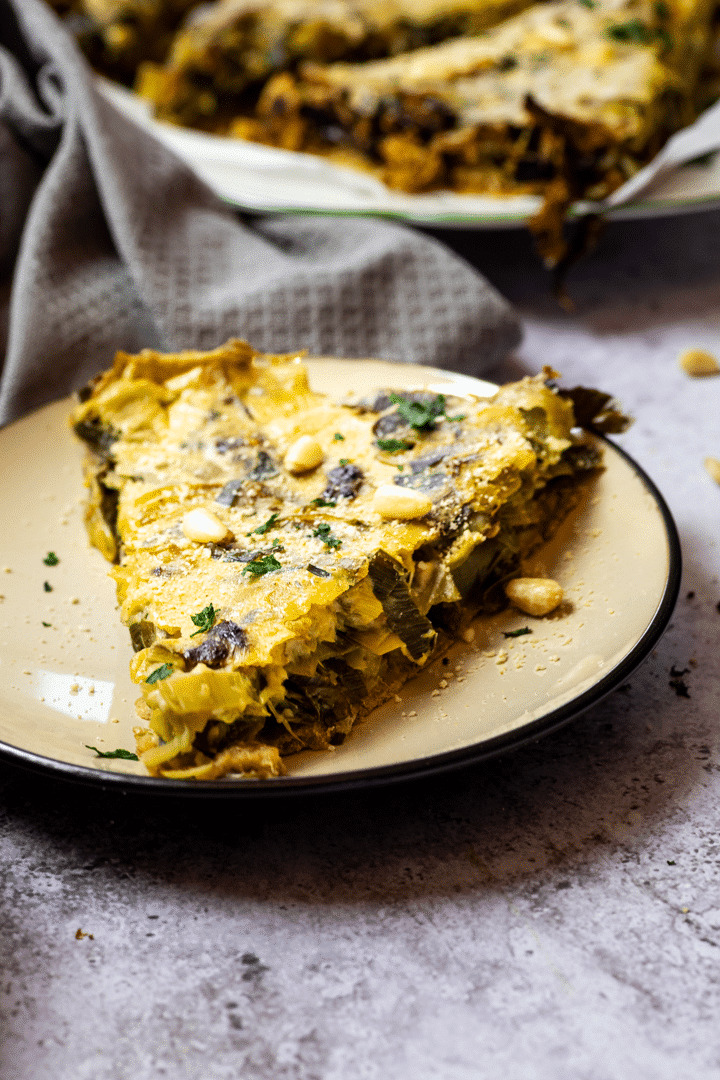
(285, 562)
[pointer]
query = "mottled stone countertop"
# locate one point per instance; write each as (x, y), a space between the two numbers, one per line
(552, 915)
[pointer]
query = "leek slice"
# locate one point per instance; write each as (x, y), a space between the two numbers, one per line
(389, 583)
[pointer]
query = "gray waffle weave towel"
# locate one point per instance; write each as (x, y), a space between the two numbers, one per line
(107, 241)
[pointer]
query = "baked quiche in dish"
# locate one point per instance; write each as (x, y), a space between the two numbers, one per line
(565, 100)
(285, 562)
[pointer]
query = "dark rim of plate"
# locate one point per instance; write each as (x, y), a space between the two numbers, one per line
(417, 768)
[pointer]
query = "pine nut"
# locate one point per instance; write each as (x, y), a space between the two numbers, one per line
(392, 501)
(304, 455)
(534, 596)
(712, 466)
(204, 527)
(698, 363)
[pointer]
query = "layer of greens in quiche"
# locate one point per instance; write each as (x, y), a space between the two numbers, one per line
(284, 563)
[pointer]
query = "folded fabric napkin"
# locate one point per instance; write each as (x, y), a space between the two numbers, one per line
(108, 241)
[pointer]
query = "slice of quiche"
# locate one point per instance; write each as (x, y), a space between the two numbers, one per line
(226, 51)
(567, 99)
(284, 562)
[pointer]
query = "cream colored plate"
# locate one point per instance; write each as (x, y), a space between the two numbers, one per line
(66, 685)
(267, 180)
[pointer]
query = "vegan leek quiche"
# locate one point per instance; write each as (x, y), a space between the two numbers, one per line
(564, 99)
(284, 563)
(567, 100)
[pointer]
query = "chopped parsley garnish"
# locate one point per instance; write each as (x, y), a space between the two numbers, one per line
(160, 673)
(338, 437)
(636, 32)
(258, 567)
(277, 545)
(662, 10)
(47, 586)
(421, 415)
(344, 461)
(394, 446)
(324, 533)
(125, 755)
(322, 502)
(517, 633)
(51, 559)
(204, 620)
(46, 623)
(262, 529)
(589, 4)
